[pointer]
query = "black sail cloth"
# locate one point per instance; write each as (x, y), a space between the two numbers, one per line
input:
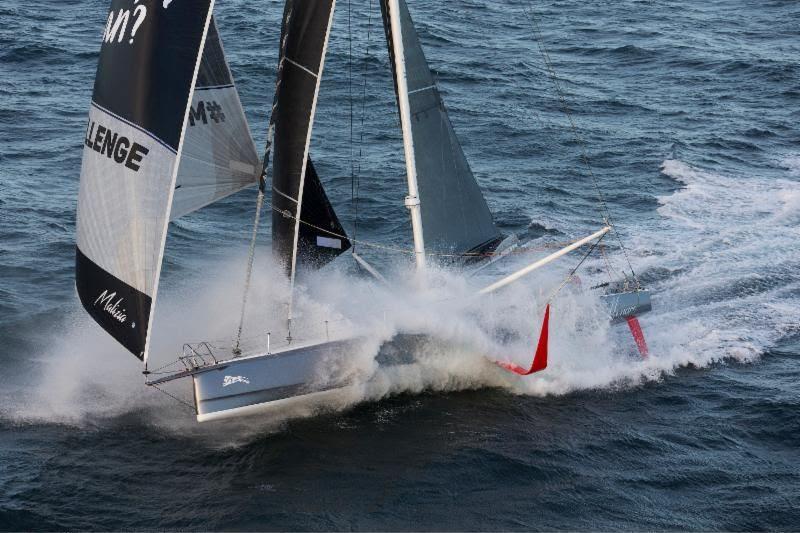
(297, 193)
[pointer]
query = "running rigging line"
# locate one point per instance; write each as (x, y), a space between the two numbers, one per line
(355, 183)
(262, 185)
(578, 138)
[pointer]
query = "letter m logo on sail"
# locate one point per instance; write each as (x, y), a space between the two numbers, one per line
(198, 114)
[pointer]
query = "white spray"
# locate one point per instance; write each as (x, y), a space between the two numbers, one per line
(714, 300)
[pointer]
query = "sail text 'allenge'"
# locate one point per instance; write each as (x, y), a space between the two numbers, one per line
(113, 145)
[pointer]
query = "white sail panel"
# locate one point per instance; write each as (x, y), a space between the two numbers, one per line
(219, 156)
(122, 202)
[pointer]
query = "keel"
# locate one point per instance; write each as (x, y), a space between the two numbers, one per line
(638, 335)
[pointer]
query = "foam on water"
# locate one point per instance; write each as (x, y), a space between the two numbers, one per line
(725, 261)
(715, 258)
(792, 164)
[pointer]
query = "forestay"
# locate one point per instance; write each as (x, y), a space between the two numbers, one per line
(455, 217)
(147, 70)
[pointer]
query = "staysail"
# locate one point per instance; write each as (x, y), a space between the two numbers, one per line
(305, 229)
(219, 156)
(145, 78)
(455, 217)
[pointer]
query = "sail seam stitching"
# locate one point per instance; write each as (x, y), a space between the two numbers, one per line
(210, 87)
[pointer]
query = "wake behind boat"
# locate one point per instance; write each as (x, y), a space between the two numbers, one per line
(167, 136)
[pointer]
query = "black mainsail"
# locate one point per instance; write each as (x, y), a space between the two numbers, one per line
(145, 78)
(305, 229)
(454, 213)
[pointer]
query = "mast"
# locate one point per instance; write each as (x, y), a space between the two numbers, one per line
(456, 219)
(412, 200)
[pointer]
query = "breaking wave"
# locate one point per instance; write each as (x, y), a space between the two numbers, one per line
(724, 261)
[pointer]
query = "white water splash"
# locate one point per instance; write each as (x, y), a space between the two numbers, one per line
(792, 164)
(723, 259)
(727, 263)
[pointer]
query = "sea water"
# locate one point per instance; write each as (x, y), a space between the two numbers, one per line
(689, 114)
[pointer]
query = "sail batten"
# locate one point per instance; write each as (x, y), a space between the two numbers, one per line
(455, 216)
(133, 144)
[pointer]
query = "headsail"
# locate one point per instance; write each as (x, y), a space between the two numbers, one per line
(219, 156)
(305, 229)
(455, 217)
(145, 77)
(321, 237)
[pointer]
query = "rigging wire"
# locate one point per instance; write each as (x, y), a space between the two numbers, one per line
(262, 186)
(350, 94)
(356, 176)
(249, 272)
(411, 251)
(569, 276)
(578, 138)
(184, 402)
(609, 267)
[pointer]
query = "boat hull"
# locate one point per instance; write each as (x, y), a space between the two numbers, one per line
(237, 386)
(622, 305)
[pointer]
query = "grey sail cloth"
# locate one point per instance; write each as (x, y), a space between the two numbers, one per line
(455, 217)
(219, 156)
(297, 192)
(132, 144)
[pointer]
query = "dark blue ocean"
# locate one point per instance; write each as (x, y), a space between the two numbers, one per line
(689, 111)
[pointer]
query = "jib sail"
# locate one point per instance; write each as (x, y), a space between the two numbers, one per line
(219, 156)
(455, 217)
(321, 237)
(305, 230)
(145, 78)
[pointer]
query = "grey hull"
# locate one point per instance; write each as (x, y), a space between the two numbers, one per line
(235, 387)
(621, 305)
